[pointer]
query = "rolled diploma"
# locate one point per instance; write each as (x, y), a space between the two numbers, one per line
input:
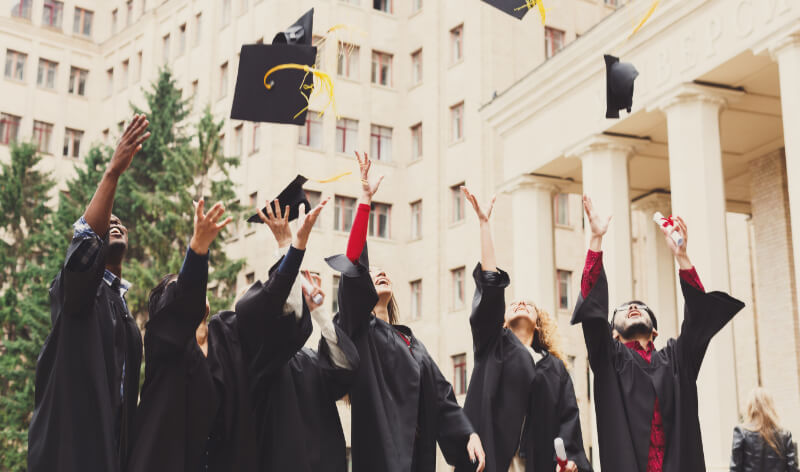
(660, 220)
(310, 288)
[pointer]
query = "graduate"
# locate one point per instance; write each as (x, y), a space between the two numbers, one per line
(87, 374)
(295, 403)
(646, 399)
(196, 409)
(401, 403)
(520, 397)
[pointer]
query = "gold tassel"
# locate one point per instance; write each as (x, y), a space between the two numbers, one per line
(308, 91)
(529, 4)
(331, 179)
(646, 17)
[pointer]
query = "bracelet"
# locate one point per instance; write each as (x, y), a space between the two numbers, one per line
(365, 182)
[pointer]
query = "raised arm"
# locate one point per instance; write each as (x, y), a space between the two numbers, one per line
(592, 307)
(488, 304)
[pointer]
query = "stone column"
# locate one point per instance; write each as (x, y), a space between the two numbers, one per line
(654, 265)
(698, 195)
(534, 269)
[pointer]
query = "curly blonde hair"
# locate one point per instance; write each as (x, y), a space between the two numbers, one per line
(546, 334)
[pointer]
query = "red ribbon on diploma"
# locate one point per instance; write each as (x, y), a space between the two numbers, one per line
(668, 222)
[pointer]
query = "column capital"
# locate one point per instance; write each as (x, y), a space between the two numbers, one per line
(527, 181)
(652, 203)
(605, 142)
(691, 92)
(783, 44)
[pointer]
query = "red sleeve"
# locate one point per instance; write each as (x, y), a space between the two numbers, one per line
(690, 277)
(358, 233)
(591, 271)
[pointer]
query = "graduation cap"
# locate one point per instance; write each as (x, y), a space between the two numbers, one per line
(619, 85)
(275, 81)
(517, 8)
(293, 195)
(299, 32)
(341, 263)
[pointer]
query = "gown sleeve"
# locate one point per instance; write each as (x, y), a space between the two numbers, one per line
(454, 428)
(570, 424)
(337, 378)
(592, 313)
(75, 285)
(791, 453)
(488, 307)
(737, 451)
(180, 309)
(705, 314)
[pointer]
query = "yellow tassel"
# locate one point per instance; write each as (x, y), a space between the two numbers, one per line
(331, 179)
(529, 4)
(308, 91)
(646, 17)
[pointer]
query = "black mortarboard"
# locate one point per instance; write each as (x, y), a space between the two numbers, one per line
(283, 102)
(299, 33)
(293, 195)
(619, 86)
(511, 7)
(342, 264)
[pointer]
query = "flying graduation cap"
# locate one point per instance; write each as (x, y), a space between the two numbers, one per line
(294, 196)
(619, 85)
(341, 263)
(275, 81)
(517, 8)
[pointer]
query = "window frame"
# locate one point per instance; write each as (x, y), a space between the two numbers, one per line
(255, 144)
(377, 211)
(9, 122)
(415, 305)
(313, 122)
(346, 66)
(415, 209)
(13, 57)
(223, 80)
(389, 9)
(457, 213)
(459, 373)
(457, 114)
(567, 286)
(340, 210)
(70, 135)
(561, 200)
(56, 8)
(416, 135)
(416, 67)
(45, 76)
(77, 81)
(458, 287)
(24, 6)
(550, 35)
(346, 126)
(80, 16)
(42, 129)
(457, 44)
(376, 74)
(381, 136)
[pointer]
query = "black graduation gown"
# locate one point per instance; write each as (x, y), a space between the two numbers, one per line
(79, 411)
(507, 392)
(626, 386)
(179, 399)
(401, 403)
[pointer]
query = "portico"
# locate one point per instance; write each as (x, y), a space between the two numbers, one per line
(716, 119)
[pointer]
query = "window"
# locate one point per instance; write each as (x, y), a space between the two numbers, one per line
(416, 299)
(46, 76)
(223, 81)
(347, 65)
(416, 142)
(457, 122)
(382, 5)
(9, 128)
(458, 203)
(561, 203)
(225, 18)
(456, 44)
(143, 4)
(110, 82)
(181, 39)
(381, 68)
(352, 2)
(238, 140)
(553, 41)
(250, 278)
(106, 135)
(139, 65)
(243, 6)
(198, 28)
(460, 374)
(77, 81)
(165, 48)
(379, 219)
(416, 5)
(15, 64)
(256, 145)
(311, 133)
(41, 136)
(564, 281)
(346, 135)
(612, 3)
(72, 142)
(380, 143)
(125, 69)
(314, 198)
(22, 9)
(416, 67)
(52, 13)
(457, 276)
(254, 200)
(114, 21)
(343, 211)
(222, 143)
(82, 22)
(335, 309)
(128, 12)
(195, 95)
(416, 219)
(120, 126)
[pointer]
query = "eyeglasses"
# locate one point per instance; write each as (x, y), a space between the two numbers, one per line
(628, 306)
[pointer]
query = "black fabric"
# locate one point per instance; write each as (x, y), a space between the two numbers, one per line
(341, 263)
(626, 386)
(751, 453)
(510, 7)
(80, 421)
(293, 196)
(284, 101)
(508, 393)
(401, 404)
(300, 32)
(619, 85)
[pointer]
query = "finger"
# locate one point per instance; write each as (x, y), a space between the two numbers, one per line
(225, 223)
(301, 213)
(270, 210)
(358, 156)
(491, 206)
(378, 183)
(316, 279)
(132, 123)
(262, 216)
(216, 211)
(143, 138)
(198, 209)
(278, 209)
(471, 454)
(288, 210)
(321, 205)
(482, 464)
(140, 127)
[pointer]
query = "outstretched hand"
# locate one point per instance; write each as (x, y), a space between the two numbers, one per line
(129, 144)
(475, 451)
(368, 189)
(598, 225)
(278, 222)
(483, 217)
(206, 227)
(678, 251)
(306, 223)
(316, 282)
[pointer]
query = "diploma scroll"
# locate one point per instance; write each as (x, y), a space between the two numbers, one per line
(669, 224)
